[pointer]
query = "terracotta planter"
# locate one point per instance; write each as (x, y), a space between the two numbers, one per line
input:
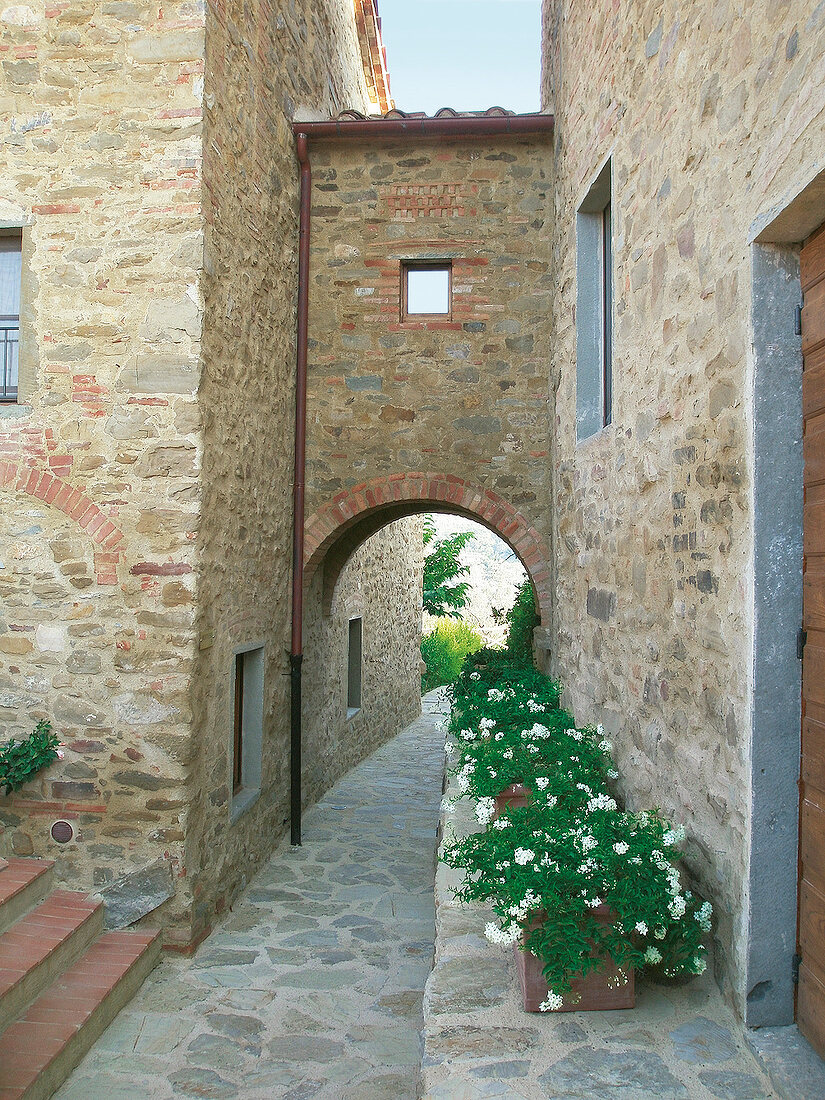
(609, 987)
(515, 795)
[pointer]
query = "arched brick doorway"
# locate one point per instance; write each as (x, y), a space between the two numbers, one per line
(339, 527)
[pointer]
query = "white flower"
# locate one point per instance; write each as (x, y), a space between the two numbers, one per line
(620, 847)
(502, 936)
(485, 809)
(653, 955)
(674, 836)
(499, 737)
(703, 914)
(601, 802)
(507, 754)
(501, 823)
(542, 782)
(533, 706)
(449, 748)
(699, 966)
(612, 774)
(468, 735)
(635, 860)
(540, 731)
(552, 1003)
(600, 730)
(593, 903)
(677, 906)
(551, 800)
(523, 856)
(486, 723)
(588, 842)
(641, 927)
(495, 695)
(606, 746)
(659, 933)
(656, 855)
(493, 774)
(475, 676)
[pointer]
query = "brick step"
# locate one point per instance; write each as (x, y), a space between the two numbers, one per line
(41, 945)
(23, 883)
(39, 1051)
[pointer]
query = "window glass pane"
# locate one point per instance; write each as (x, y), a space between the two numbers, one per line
(428, 290)
(10, 272)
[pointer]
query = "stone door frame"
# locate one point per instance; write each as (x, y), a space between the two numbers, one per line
(776, 680)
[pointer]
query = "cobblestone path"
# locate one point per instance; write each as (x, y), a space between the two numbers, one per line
(313, 985)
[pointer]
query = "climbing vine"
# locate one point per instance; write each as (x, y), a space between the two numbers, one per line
(20, 760)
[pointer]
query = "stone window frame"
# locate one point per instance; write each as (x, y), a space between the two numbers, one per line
(355, 665)
(247, 720)
(426, 265)
(595, 302)
(28, 351)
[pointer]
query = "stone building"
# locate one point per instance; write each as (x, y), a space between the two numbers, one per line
(690, 138)
(149, 195)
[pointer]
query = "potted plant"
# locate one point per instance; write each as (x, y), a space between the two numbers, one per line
(590, 893)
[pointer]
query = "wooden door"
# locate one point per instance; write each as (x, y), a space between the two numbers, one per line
(811, 992)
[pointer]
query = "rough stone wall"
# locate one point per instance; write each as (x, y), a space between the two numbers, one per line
(464, 396)
(381, 583)
(145, 476)
(99, 110)
(712, 115)
(263, 63)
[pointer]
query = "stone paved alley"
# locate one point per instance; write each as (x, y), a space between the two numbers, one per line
(313, 985)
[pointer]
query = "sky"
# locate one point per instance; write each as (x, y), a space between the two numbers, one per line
(467, 54)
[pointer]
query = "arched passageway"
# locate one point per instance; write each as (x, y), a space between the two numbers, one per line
(339, 527)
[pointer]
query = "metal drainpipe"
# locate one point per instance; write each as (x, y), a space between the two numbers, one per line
(297, 647)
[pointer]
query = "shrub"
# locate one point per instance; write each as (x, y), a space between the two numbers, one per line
(521, 618)
(20, 760)
(444, 649)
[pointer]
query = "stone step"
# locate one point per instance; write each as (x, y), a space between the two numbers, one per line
(41, 945)
(39, 1050)
(23, 884)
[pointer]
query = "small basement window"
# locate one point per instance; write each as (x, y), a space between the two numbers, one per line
(426, 289)
(11, 267)
(354, 667)
(247, 740)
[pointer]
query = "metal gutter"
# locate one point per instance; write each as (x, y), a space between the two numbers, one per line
(297, 644)
(449, 126)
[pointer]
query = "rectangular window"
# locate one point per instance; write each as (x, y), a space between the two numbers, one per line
(354, 651)
(594, 308)
(247, 739)
(426, 289)
(11, 268)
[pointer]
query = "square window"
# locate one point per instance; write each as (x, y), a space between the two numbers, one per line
(594, 308)
(11, 267)
(426, 290)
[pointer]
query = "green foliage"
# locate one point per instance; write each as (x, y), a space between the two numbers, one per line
(444, 649)
(551, 869)
(521, 618)
(20, 760)
(443, 594)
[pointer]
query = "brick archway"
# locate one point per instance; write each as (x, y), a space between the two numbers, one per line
(74, 503)
(339, 527)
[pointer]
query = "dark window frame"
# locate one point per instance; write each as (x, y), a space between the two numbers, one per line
(426, 265)
(355, 664)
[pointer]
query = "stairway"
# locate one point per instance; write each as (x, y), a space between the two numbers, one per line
(62, 979)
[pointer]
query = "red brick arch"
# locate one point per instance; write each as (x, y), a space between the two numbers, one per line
(339, 527)
(74, 503)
